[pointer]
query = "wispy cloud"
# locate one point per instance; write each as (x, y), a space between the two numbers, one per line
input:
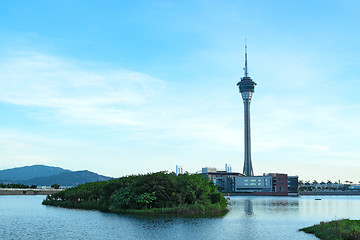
(75, 93)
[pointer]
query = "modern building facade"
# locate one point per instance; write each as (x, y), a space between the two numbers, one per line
(222, 179)
(246, 88)
(253, 184)
(268, 184)
(272, 184)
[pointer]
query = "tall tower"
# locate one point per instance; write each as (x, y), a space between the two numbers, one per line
(246, 87)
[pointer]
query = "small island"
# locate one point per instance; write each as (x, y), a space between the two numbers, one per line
(339, 229)
(155, 193)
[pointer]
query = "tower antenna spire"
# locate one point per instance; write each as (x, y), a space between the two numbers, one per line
(245, 69)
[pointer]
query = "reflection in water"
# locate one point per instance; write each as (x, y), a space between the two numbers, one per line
(255, 205)
(250, 218)
(248, 207)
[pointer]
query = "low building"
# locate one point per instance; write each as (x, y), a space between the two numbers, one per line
(355, 187)
(275, 184)
(253, 184)
(222, 179)
(293, 185)
(270, 184)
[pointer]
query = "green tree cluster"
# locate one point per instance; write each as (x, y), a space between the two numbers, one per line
(157, 192)
(55, 186)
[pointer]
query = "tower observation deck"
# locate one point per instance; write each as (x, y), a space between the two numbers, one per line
(246, 87)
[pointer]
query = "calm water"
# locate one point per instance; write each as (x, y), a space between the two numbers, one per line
(23, 217)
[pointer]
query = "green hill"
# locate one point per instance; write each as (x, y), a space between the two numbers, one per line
(41, 175)
(67, 179)
(29, 172)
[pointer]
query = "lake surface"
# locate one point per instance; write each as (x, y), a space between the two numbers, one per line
(23, 217)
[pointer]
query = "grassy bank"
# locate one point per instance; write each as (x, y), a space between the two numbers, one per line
(344, 229)
(156, 193)
(194, 210)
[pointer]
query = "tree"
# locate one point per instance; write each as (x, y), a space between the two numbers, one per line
(146, 199)
(55, 186)
(33, 186)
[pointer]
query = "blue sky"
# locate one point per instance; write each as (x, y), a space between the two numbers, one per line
(124, 87)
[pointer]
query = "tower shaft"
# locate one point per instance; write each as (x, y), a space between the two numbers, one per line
(248, 169)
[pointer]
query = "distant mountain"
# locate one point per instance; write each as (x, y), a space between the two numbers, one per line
(29, 172)
(41, 175)
(67, 179)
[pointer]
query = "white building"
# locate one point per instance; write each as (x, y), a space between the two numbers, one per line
(179, 170)
(253, 184)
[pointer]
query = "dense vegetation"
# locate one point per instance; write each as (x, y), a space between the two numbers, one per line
(340, 229)
(151, 193)
(16, 185)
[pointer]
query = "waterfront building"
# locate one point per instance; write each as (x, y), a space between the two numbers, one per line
(253, 184)
(276, 184)
(355, 187)
(293, 185)
(246, 88)
(222, 179)
(272, 184)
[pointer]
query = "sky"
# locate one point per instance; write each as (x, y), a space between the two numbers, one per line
(128, 87)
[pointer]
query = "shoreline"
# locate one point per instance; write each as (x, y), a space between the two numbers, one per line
(314, 193)
(27, 191)
(329, 193)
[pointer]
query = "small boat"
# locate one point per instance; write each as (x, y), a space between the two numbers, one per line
(317, 198)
